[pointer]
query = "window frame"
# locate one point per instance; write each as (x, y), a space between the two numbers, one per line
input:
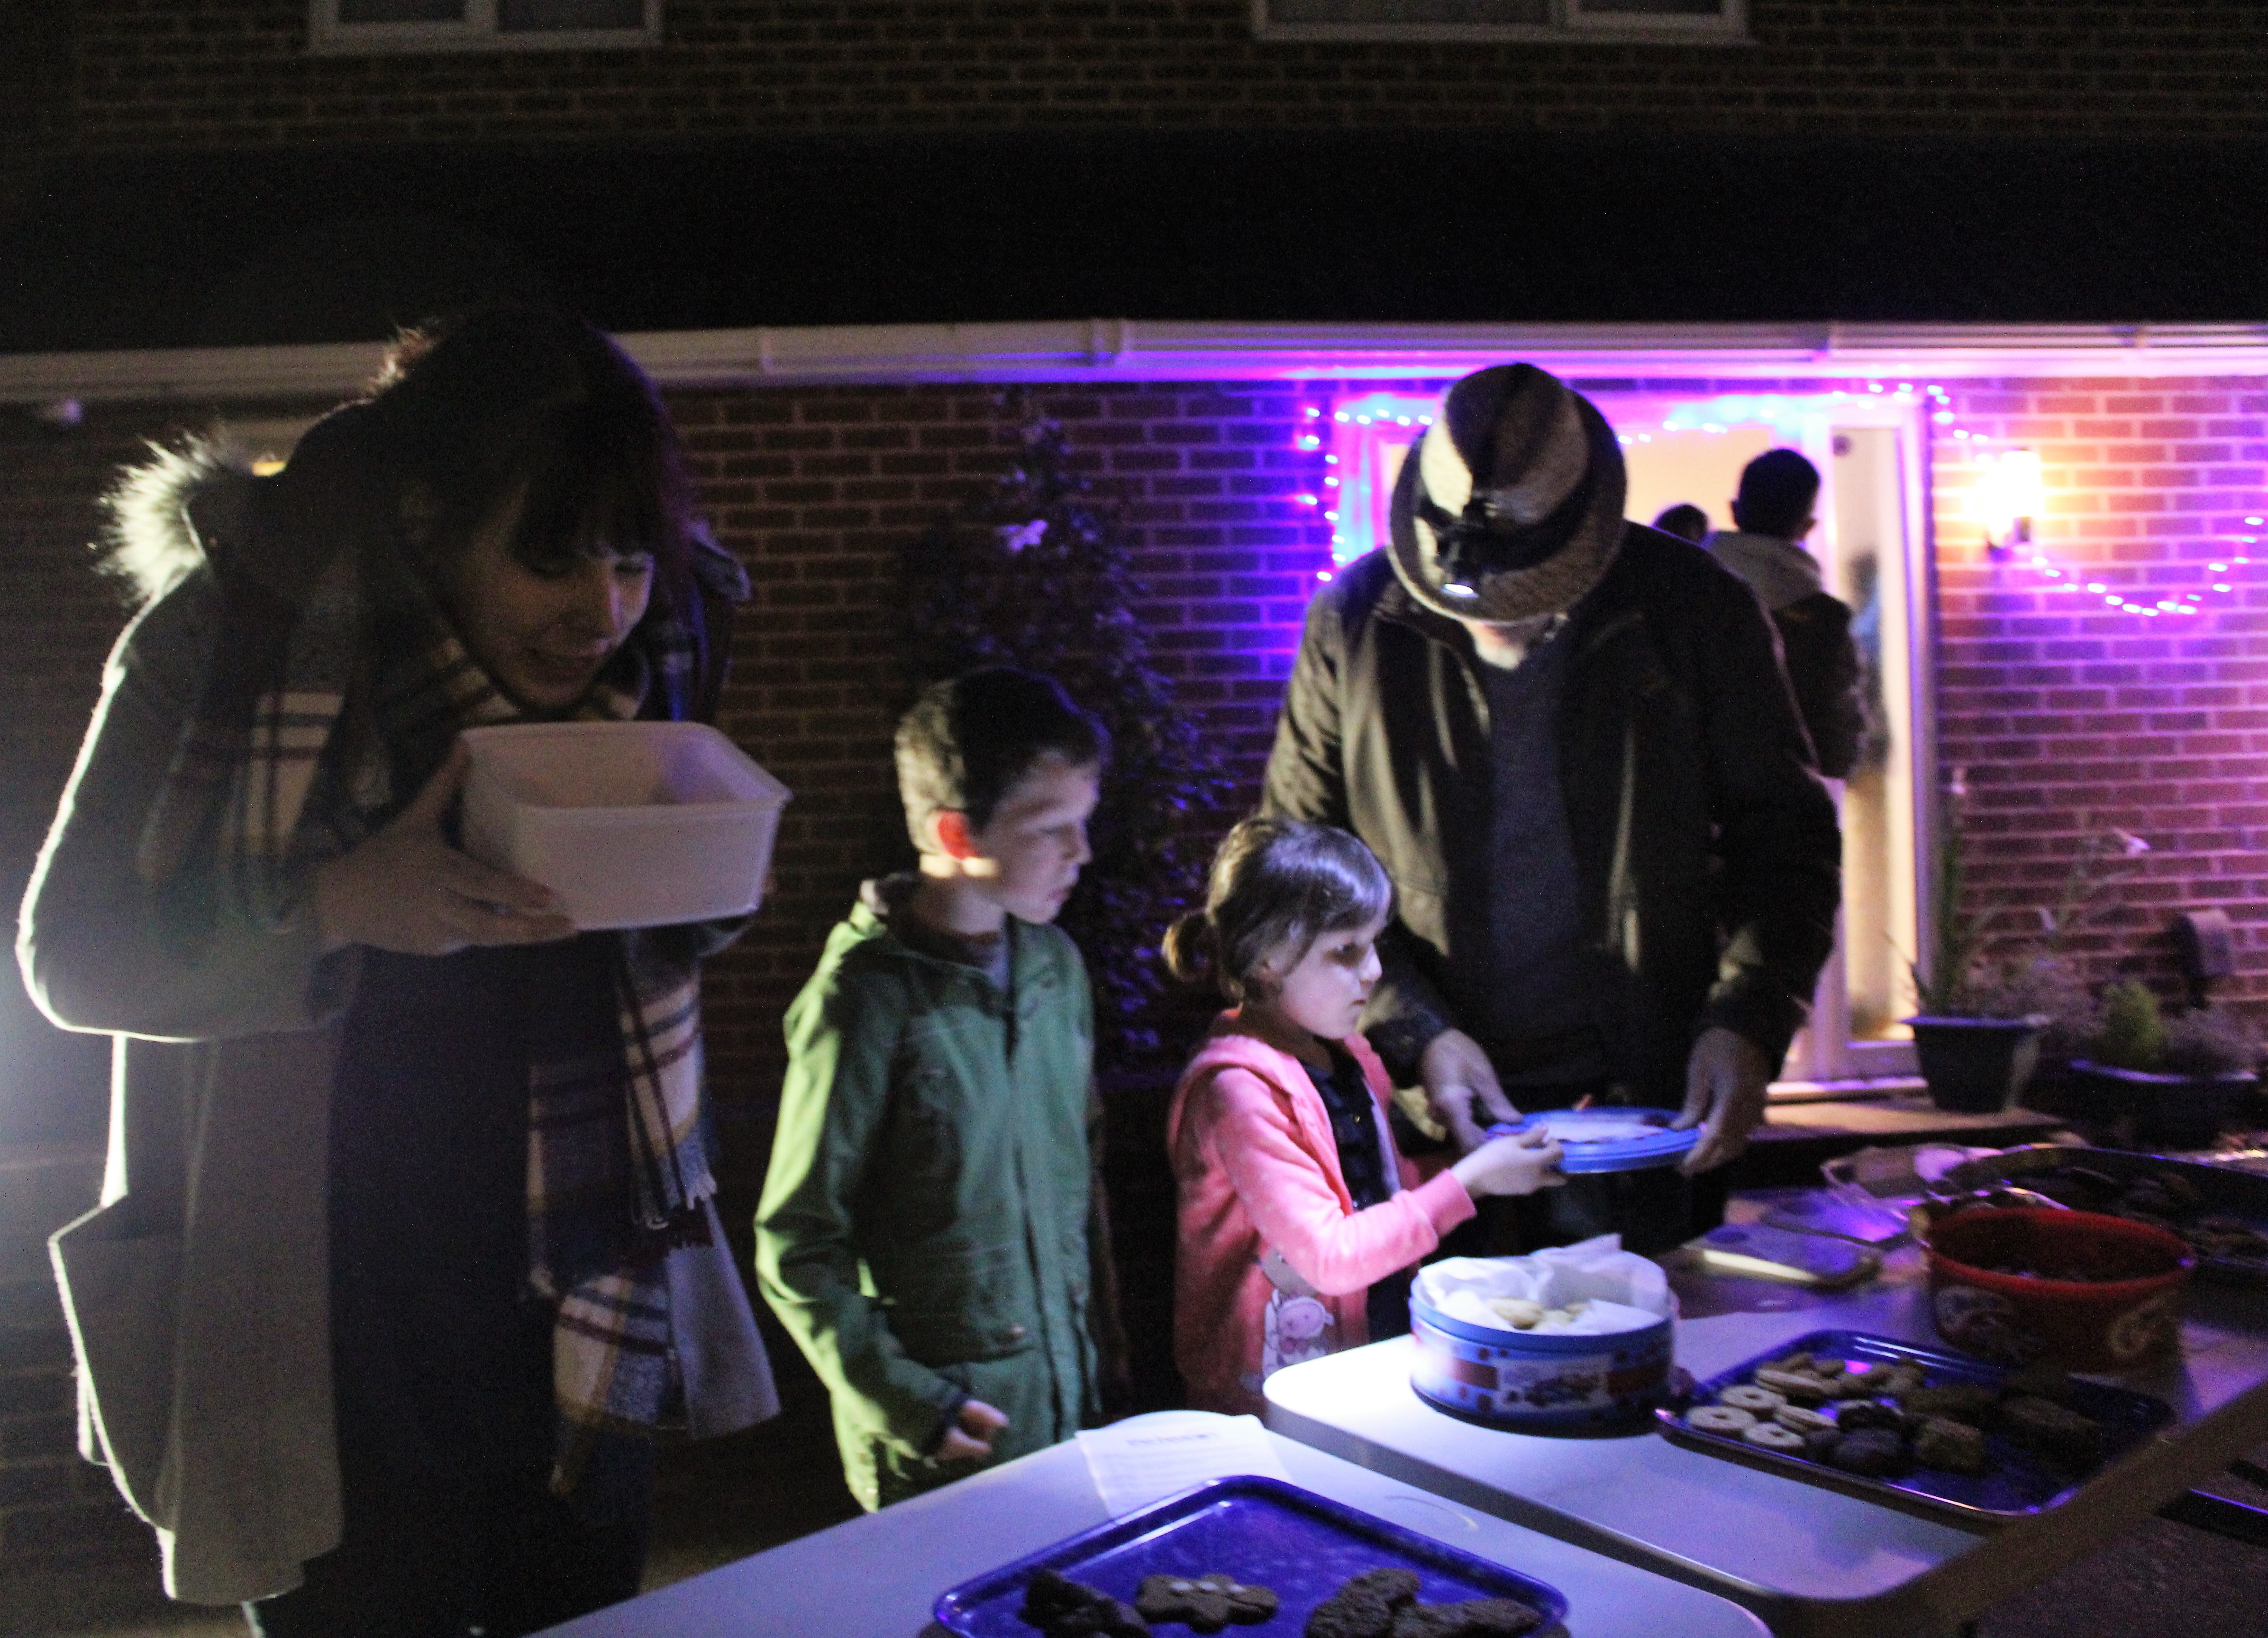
(477, 29)
(1572, 23)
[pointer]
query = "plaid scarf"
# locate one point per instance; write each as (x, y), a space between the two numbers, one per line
(278, 770)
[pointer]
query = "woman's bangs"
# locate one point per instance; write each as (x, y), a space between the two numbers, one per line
(579, 509)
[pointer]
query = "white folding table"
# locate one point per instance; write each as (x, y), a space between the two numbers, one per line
(879, 1576)
(1812, 1563)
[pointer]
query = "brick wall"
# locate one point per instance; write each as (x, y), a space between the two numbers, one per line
(2059, 708)
(2066, 711)
(188, 72)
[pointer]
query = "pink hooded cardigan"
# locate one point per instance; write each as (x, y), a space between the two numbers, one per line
(1258, 1169)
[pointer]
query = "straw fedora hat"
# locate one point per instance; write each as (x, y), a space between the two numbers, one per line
(1511, 505)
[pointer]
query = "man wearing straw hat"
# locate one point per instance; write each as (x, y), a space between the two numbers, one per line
(1571, 740)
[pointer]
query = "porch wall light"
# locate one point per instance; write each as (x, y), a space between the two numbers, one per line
(2009, 495)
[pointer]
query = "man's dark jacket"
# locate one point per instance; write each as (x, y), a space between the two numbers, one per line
(1705, 847)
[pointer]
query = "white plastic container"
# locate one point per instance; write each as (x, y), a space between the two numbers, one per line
(631, 824)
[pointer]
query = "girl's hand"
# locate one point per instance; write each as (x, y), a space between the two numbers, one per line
(1519, 1163)
(407, 890)
(970, 1437)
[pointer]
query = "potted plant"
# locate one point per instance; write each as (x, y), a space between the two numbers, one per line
(1994, 1002)
(2166, 1082)
(1975, 1055)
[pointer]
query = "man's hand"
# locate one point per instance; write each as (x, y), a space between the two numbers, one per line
(1457, 1075)
(406, 889)
(1724, 1082)
(970, 1437)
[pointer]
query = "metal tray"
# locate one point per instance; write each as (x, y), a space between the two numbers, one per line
(2016, 1486)
(1299, 1544)
(2226, 1192)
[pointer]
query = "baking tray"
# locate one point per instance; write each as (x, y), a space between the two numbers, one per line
(1658, 1147)
(2016, 1486)
(2226, 1191)
(1260, 1531)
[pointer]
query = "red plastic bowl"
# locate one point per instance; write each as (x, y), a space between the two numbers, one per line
(2104, 1324)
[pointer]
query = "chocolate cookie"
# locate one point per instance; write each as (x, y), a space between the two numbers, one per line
(1860, 1414)
(2059, 1435)
(1957, 1402)
(1474, 1618)
(1954, 1446)
(1205, 1603)
(1364, 1606)
(1873, 1453)
(1064, 1608)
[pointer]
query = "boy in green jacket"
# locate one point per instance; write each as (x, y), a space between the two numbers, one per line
(923, 1233)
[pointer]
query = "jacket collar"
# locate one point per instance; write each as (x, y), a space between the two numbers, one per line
(1779, 572)
(1598, 614)
(882, 914)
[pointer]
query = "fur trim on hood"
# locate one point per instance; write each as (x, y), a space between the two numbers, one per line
(150, 541)
(1779, 572)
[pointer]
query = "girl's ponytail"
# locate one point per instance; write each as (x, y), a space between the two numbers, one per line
(1191, 949)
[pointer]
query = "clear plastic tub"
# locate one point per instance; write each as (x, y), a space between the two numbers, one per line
(631, 824)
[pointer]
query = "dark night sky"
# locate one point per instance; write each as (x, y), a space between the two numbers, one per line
(317, 244)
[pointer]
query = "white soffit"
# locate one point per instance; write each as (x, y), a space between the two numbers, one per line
(1120, 350)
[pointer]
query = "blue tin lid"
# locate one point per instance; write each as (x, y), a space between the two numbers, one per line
(1610, 1139)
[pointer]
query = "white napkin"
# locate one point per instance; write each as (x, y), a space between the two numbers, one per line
(1621, 1290)
(1145, 1458)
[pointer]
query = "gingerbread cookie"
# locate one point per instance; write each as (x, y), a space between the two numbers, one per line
(1474, 1618)
(1064, 1608)
(1205, 1603)
(1365, 1606)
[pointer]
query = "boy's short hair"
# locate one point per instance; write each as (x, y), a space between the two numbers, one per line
(968, 739)
(1776, 490)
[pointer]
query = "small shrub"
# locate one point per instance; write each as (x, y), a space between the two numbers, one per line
(2130, 1034)
(2210, 1042)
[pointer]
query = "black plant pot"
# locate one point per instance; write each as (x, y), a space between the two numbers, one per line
(2165, 1111)
(1976, 1065)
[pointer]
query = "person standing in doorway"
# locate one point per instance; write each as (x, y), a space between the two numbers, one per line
(1772, 515)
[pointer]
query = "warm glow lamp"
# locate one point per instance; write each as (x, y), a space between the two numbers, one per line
(2009, 495)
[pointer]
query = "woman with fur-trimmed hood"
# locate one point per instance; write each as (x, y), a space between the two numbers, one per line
(406, 1245)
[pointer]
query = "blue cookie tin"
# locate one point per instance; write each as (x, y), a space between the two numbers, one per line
(1527, 1383)
(1300, 1545)
(1660, 1146)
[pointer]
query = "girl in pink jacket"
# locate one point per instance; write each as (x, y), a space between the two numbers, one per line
(1300, 1221)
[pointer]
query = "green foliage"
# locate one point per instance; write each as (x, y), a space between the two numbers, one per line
(1944, 986)
(1980, 967)
(2130, 1034)
(1036, 573)
(2208, 1042)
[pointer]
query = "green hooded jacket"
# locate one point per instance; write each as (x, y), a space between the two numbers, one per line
(923, 1229)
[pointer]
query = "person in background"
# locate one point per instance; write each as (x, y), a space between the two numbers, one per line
(1771, 517)
(408, 1245)
(1300, 1221)
(1569, 740)
(932, 1229)
(1685, 520)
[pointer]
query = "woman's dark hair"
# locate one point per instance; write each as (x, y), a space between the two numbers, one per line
(969, 738)
(1685, 520)
(1275, 882)
(507, 398)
